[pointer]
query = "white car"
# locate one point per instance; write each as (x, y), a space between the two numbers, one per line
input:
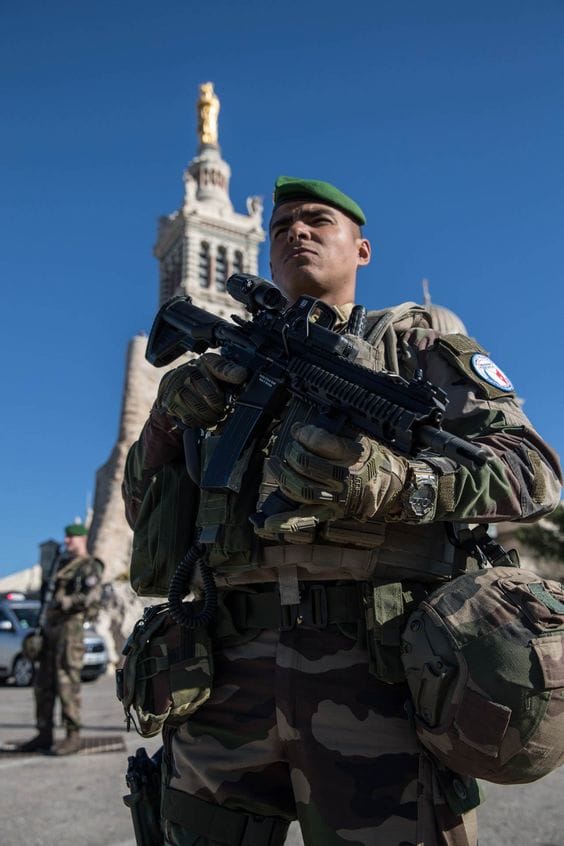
(17, 617)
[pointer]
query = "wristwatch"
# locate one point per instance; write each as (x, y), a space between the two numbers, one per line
(420, 493)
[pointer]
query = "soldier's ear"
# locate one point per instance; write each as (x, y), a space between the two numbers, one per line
(364, 251)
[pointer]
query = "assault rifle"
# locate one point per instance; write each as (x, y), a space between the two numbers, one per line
(291, 353)
(294, 352)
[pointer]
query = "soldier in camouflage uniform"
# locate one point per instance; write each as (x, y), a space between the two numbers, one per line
(76, 598)
(308, 717)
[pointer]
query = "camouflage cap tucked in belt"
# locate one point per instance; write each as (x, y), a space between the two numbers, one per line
(289, 188)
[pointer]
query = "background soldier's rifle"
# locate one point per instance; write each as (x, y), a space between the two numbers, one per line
(32, 645)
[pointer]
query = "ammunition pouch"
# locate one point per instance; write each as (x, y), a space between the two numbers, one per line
(222, 515)
(166, 674)
(387, 607)
(375, 550)
(32, 645)
(163, 531)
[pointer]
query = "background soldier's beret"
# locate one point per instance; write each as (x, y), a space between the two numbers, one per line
(75, 529)
(288, 188)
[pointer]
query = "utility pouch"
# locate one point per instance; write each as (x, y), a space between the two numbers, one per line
(166, 674)
(223, 514)
(387, 606)
(164, 530)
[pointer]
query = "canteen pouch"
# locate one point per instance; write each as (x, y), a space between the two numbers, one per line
(166, 674)
(387, 607)
(164, 530)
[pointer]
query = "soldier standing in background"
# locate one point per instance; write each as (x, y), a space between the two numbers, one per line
(307, 716)
(76, 598)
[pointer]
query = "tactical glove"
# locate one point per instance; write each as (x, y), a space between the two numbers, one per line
(197, 393)
(334, 478)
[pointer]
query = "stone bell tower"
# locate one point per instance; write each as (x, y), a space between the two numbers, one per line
(203, 243)
(198, 247)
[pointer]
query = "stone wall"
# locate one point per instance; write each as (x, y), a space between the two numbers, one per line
(110, 536)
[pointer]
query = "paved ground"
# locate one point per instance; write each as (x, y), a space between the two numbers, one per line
(76, 801)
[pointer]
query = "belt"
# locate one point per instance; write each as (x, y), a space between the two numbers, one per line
(320, 606)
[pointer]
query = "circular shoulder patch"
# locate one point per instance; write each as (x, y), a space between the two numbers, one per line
(487, 370)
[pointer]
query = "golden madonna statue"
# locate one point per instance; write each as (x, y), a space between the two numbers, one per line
(208, 112)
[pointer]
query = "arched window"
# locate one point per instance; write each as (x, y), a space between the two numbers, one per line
(238, 262)
(204, 265)
(220, 268)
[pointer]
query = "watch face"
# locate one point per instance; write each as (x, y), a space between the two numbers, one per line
(422, 500)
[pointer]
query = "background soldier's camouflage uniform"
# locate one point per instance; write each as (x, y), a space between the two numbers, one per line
(77, 596)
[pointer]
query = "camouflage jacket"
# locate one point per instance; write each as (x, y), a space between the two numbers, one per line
(522, 483)
(78, 590)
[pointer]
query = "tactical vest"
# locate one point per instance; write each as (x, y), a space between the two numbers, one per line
(340, 550)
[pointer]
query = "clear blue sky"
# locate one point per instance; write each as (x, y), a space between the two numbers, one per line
(444, 121)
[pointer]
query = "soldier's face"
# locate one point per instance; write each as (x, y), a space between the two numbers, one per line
(316, 250)
(76, 544)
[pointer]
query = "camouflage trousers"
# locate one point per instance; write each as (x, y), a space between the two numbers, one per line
(58, 674)
(297, 728)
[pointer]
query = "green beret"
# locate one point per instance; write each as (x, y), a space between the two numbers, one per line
(75, 530)
(288, 188)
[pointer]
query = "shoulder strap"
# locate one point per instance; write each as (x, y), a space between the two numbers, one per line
(379, 321)
(381, 332)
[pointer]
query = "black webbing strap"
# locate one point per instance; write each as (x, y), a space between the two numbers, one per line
(320, 605)
(221, 825)
(481, 546)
